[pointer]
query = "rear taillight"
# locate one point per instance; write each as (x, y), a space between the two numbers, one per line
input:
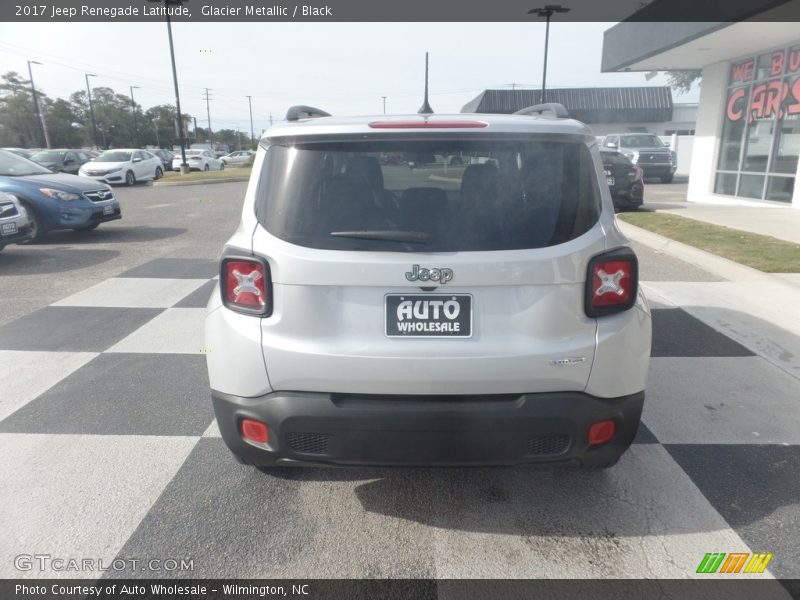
(612, 280)
(246, 286)
(254, 431)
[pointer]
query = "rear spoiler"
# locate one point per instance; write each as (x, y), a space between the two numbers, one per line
(295, 113)
(552, 109)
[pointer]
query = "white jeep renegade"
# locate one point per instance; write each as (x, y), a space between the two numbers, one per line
(428, 290)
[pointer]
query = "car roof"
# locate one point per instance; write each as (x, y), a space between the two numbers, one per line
(494, 124)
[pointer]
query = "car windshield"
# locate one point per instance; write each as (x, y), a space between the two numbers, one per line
(113, 156)
(641, 141)
(12, 165)
(429, 196)
(49, 156)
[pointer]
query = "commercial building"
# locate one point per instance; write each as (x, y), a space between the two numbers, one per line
(606, 110)
(747, 135)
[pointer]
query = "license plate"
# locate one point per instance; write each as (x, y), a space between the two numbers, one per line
(610, 180)
(108, 210)
(8, 228)
(429, 315)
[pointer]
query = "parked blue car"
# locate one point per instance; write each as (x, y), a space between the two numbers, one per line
(56, 200)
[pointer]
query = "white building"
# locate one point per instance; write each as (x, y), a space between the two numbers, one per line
(747, 135)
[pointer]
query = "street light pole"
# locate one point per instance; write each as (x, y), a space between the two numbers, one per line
(133, 107)
(184, 167)
(39, 113)
(252, 134)
(91, 108)
(547, 11)
(384, 104)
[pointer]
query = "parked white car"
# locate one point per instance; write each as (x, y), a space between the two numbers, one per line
(241, 158)
(124, 165)
(367, 313)
(199, 160)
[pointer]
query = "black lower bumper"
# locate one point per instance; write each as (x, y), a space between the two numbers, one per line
(342, 429)
(23, 234)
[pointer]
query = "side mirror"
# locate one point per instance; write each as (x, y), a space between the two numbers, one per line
(69, 161)
(137, 159)
(611, 145)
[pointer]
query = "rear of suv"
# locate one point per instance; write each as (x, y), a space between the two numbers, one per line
(374, 308)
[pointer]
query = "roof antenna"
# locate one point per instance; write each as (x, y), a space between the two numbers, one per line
(426, 107)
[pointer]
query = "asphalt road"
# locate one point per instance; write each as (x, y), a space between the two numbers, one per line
(177, 221)
(108, 446)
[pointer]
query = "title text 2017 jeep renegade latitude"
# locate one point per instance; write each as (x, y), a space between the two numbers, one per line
(428, 290)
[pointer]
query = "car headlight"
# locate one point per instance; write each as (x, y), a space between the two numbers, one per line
(113, 170)
(59, 194)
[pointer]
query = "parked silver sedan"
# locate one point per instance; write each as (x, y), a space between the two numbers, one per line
(15, 225)
(241, 158)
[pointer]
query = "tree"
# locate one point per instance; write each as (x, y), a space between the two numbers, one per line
(62, 124)
(19, 125)
(682, 81)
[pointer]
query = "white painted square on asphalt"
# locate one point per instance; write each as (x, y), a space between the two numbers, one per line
(174, 331)
(212, 431)
(134, 292)
(734, 400)
(76, 496)
(24, 375)
(644, 518)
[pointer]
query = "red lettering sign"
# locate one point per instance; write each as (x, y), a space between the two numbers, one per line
(794, 61)
(742, 71)
(794, 108)
(776, 66)
(735, 108)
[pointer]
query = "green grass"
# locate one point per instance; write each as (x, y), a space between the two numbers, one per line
(203, 175)
(760, 252)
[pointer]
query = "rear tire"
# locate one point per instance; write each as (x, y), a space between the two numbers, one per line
(206, 168)
(667, 178)
(221, 166)
(159, 174)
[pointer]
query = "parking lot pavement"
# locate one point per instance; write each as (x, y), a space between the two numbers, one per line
(108, 447)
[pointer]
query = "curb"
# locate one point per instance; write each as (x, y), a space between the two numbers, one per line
(199, 182)
(722, 267)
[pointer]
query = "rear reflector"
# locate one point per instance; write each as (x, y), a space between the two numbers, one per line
(611, 282)
(601, 432)
(254, 431)
(245, 285)
(428, 124)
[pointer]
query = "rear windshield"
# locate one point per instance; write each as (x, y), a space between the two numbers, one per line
(424, 196)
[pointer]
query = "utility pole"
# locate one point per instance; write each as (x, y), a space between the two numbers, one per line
(184, 167)
(384, 104)
(195, 128)
(91, 108)
(270, 119)
(548, 11)
(208, 114)
(39, 113)
(135, 125)
(155, 126)
(252, 134)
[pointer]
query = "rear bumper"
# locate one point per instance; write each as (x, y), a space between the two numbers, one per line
(345, 429)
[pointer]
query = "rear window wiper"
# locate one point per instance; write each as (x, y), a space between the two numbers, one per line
(389, 235)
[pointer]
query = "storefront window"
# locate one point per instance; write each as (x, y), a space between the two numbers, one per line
(761, 130)
(787, 146)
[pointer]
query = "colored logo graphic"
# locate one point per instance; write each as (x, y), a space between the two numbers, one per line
(735, 562)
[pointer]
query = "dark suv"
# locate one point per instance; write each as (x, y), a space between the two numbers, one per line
(62, 160)
(646, 150)
(624, 179)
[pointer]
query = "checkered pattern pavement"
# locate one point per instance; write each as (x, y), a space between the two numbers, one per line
(108, 449)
